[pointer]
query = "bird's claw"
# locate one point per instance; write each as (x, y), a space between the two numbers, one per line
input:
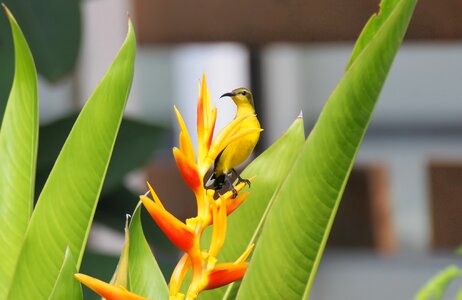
(240, 179)
(233, 190)
(246, 181)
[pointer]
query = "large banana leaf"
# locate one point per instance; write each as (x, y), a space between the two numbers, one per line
(66, 206)
(297, 227)
(18, 152)
(270, 168)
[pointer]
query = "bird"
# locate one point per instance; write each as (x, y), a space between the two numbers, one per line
(236, 152)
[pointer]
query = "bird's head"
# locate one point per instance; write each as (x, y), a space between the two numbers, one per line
(240, 96)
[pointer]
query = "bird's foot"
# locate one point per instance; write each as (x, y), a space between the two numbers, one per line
(231, 186)
(234, 192)
(240, 179)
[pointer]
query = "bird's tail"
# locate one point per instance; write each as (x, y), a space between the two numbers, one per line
(215, 182)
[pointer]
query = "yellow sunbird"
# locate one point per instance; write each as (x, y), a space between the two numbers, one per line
(237, 152)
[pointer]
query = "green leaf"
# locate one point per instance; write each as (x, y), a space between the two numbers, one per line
(435, 288)
(243, 225)
(372, 27)
(137, 140)
(297, 227)
(145, 276)
(66, 287)
(18, 153)
(7, 60)
(66, 206)
(120, 277)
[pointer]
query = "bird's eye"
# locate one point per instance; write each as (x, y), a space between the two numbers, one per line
(243, 93)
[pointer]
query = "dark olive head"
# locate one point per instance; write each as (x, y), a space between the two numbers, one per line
(240, 96)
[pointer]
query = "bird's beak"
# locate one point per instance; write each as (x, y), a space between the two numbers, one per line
(227, 95)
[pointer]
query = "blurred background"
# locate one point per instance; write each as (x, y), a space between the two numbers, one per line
(399, 221)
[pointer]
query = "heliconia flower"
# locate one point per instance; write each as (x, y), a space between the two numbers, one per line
(212, 210)
(207, 273)
(107, 291)
(180, 234)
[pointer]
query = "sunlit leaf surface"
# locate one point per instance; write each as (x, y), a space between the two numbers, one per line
(68, 200)
(18, 152)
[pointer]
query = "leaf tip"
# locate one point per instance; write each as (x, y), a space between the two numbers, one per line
(300, 115)
(8, 12)
(129, 21)
(131, 32)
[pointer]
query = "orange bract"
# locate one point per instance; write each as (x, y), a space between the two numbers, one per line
(109, 292)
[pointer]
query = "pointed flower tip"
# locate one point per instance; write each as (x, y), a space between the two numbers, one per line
(106, 290)
(77, 276)
(224, 274)
(154, 196)
(245, 255)
(178, 232)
